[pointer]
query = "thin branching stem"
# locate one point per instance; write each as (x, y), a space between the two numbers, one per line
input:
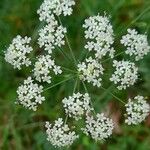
(75, 72)
(86, 90)
(113, 57)
(32, 125)
(58, 83)
(113, 95)
(64, 54)
(68, 43)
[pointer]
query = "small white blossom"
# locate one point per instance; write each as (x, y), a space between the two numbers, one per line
(57, 7)
(100, 32)
(136, 110)
(29, 94)
(51, 36)
(137, 44)
(18, 51)
(126, 74)
(43, 68)
(99, 128)
(77, 105)
(91, 71)
(59, 134)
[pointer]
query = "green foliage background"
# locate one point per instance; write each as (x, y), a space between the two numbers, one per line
(23, 129)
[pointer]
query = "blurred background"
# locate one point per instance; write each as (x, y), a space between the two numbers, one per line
(23, 129)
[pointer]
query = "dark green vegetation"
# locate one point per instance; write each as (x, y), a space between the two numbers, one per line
(23, 129)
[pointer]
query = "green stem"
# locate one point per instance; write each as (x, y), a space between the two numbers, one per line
(65, 55)
(113, 57)
(90, 99)
(75, 72)
(69, 46)
(32, 125)
(114, 96)
(58, 83)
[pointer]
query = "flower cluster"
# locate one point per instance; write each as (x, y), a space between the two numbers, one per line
(59, 134)
(43, 68)
(137, 110)
(77, 105)
(136, 44)
(91, 71)
(17, 52)
(100, 32)
(100, 39)
(99, 128)
(126, 74)
(57, 7)
(29, 94)
(51, 36)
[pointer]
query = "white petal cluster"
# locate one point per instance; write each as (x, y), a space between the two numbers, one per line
(44, 67)
(126, 74)
(51, 36)
(29, 94)
(57, 7)
(137, 44)
(17, 52)
(136, 110)
(77, 105)
(100, 34)
(59, 134)
(99, 128)
(91, 71)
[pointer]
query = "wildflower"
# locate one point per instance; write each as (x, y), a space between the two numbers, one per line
(29, 94)
(126, 74)
(59, 134)
(137, 110)
(57, 7)
(77, 104)
(17, 52)
(43, 68)
(99, 128)
(136, 44)
(91, 71)
(100, 34)
(51, 36)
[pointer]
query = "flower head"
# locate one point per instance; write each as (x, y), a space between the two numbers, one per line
(100, 34)
(136, 44)
(91, 71)
(126, 74)
(99, 128)
(136, 110)
(29, 94)
(51, 36)
(77, 105)
(59, 134)
(57, 7)
(17, 52)
(43, 68)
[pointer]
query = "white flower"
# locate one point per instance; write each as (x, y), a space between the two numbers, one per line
(77, 105)
(59, 134)
(57, 7)
(137, 110)
(99, 128)
(137, 44)
(29, 94)
(100, 32)
(18, 51)
(126, 74)
(43, 68)
(51, 36)
(91, 71)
